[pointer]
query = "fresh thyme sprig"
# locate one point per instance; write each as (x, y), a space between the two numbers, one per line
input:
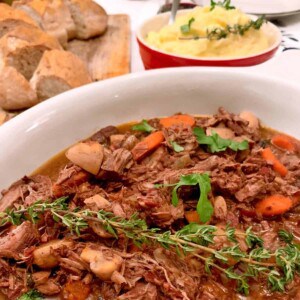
(236, 29)
(225, 4)
(31, 295)
(279, 267)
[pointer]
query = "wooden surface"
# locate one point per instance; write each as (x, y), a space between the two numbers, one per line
(108, 55)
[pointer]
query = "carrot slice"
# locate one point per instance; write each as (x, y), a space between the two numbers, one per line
(177, 120)
(76, 290)
(269, 156)
(274, 205)
(285, 142)
(192, 216)
(147, 145)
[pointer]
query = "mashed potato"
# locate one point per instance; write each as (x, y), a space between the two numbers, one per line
(171, 39)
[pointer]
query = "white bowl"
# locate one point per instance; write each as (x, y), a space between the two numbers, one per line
(42, 131)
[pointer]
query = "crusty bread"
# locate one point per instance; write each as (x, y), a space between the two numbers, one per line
(53, 16)
(23, 47)
(89, 17)
(15, 90)
(11, 18)
(58, 72)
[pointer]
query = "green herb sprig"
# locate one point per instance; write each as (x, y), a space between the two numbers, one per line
(217, 144)
(31, 295)
(143, 126)
(236, 29)
(225, 4)
(176, 147)
(279, 267)
(204, 206)
(186, 28)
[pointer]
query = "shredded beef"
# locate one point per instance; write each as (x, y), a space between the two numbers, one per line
(124, 188)
(27, 191)
(13, 244)
(117, 161)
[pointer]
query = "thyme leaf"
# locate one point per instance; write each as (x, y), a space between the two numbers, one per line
(31, 295)
(219, 33)
(285, 236)
(225, 4)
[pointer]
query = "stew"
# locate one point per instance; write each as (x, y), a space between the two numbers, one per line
(182, 207)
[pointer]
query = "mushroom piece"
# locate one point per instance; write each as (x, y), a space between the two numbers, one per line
(99, 229)
(43, 255)
(102, 267)
(223, 132)
(49, 288)
(87, 155)
(251, 118)
(97, 202)
(220, 207)
(41, 277)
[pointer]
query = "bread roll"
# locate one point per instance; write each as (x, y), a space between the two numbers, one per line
(58, 72)
(53, 16)
(11, 18)
(89, 17)
(23, 47)
(15, 90)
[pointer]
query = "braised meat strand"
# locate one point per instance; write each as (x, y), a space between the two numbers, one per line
(182, 207)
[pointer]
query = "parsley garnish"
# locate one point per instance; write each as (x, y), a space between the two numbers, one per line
(217, 144)
(186, 28)
(31, 295)
(143, 126)
(177, 148)
(204, 207)
(225, 4)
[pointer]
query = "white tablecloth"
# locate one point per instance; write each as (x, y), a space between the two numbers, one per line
(285, 64)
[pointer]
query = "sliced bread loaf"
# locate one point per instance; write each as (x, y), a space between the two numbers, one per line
(58, 72)
(11, 18)
(89, 17)
(23, 47)
(53, 16)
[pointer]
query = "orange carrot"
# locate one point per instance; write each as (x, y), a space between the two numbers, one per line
(76, 290)
(269, 156)
(285, 142)
(192, 216)
(147, 145)
(273, 205)
(177, 120)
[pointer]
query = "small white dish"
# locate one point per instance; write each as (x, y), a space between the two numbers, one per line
(269, 8)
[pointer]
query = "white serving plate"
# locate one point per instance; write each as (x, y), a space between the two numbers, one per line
(264, 7)
(42, 131)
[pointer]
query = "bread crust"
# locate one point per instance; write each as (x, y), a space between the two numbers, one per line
(23, 48)
(11, 18)
(89, 17)
(53, 16)
(57, 72)
(15, 91)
